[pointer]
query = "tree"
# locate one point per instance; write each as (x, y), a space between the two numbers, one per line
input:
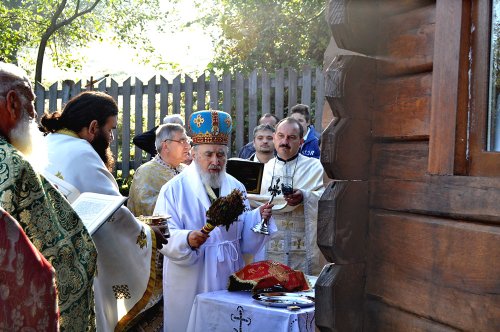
(268, 34)
(60, 25)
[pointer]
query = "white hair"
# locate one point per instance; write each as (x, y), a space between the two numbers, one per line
(173, 118)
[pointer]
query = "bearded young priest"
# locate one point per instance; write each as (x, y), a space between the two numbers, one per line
(195, 262)
(79, 152)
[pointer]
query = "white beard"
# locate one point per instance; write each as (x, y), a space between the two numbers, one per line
(20, 135)
(213, 180)
(27, 138)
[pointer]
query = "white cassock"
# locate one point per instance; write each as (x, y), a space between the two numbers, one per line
(188, 272)
(295, 243)
(124, 267)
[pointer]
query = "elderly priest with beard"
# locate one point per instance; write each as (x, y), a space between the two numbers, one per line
(44, 215)
(194, 262)
(78, 146)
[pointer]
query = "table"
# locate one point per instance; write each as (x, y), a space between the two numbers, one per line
(239, 312)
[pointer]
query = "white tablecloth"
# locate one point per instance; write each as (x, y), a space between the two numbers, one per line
(223, 311)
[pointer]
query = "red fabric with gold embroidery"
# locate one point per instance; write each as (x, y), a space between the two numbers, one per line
(27, 282)
(268, 274)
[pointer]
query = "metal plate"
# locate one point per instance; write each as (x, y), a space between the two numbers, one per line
(283, 300)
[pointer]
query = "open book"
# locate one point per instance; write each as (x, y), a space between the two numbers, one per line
(94, 209)
(247, 172)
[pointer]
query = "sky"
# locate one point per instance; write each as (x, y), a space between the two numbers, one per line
(190, 49)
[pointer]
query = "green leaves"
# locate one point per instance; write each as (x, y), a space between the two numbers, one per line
(268, 34)
(62, 25)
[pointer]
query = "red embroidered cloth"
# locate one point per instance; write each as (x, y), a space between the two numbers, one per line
(268, 274)
(27, 282)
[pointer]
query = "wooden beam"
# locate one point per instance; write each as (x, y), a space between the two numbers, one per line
(450, 38)
(353, 24)
(463, 197)
(399, 160)
(339, 298)
(408, 43)
(382, 317)
(350, 94)
(342, 221)
(442, 269)
(402, 108)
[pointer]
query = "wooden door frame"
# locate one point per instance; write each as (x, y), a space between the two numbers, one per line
(457, 139)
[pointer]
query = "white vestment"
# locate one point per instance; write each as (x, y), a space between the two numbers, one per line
(188, 272)
(295, 242)
(124, 245)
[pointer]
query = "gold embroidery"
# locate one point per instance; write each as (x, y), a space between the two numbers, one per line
(252, 271)
(298, 243)
(278, 271)
(66, 131)
(276, 245)
(215, 130)
(215, 123)
(210, 138)
(199, 120)
(287, 224)
(142, 239)
(121, 292)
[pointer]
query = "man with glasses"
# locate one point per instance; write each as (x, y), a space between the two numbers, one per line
(44, 215)
(195, 262)
(78, 142)
(300, 180)
(146, 140)
(173, 148)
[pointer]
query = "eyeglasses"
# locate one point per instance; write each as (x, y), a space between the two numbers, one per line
(183, 141)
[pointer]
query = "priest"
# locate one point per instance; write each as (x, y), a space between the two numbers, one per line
(195, 262)
(300, 180)
(173, 147)
(78, 143)
(45, 216)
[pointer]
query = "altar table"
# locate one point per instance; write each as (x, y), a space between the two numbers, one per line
(239, 312)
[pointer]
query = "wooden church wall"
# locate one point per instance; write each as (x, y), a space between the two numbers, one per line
(422, 247)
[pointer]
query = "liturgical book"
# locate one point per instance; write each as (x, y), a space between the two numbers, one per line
(94, 209)
(247, 172)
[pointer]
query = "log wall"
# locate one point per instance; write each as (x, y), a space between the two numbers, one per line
(431, 241)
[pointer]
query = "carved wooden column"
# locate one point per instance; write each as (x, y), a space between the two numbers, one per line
(345, 155)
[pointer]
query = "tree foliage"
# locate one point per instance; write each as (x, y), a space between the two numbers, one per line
(268, 34)
(62, 25)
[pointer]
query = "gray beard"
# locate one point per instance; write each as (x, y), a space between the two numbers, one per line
(210, 179)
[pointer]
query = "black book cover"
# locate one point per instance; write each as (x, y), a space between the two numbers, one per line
(247, 172)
